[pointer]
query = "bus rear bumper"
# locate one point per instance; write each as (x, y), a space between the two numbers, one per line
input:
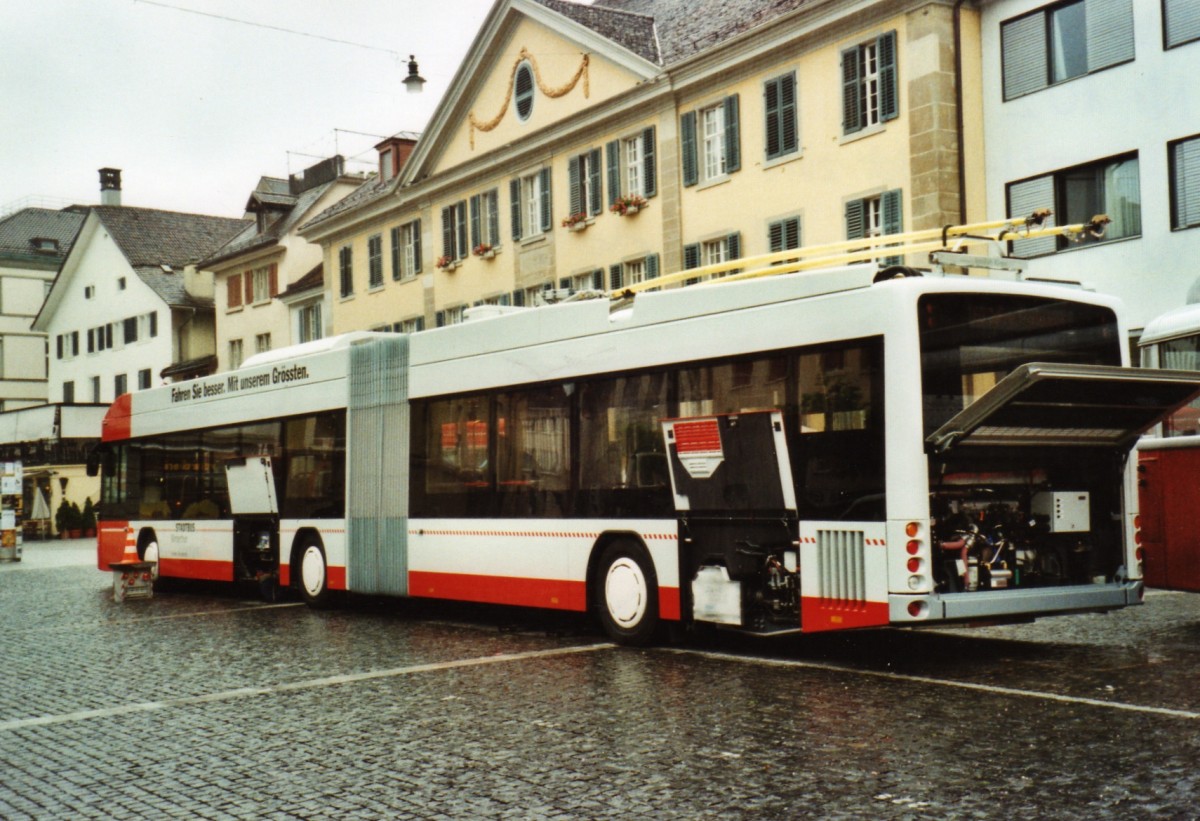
(985, 605)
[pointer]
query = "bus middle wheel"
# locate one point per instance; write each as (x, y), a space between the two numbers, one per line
(626, 593)
(313, 575)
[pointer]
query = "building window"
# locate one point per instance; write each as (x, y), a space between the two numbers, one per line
(262, 289)
(143, 379)
(1181, 22)
(95, 389)
(235, 354)
(630, 272)
(1075, 195)
(710, 142)
(485, 219)
(346, 271)
(782, 130)
(869, 87)
(583, 184)
(530, 199)
(385, 164)
(375, 261)
(130, 330)
(450, 316)
(523, 91)
(712, 252)
(69, 392)
(406, 257)
(309, 322)
(262, 343)
(631, 166)
(1063, 41)
(409, 326)
(1185, 182)
(89, 291)
(783, 235)
(876, 217)
(119, 385)
(121, 283)
(454, 231)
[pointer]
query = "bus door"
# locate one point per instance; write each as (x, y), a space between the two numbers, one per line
(255, 509)
(736, 506)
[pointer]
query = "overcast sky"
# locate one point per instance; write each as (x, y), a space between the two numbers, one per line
(194, 109)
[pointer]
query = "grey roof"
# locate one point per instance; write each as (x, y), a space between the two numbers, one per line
(631, 29)
(251, 239)
(150, 239)
(314, 280)
(686, 27)
(372, 189)
(18, 232)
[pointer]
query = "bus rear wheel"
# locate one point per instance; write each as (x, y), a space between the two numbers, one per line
(626, 594)
(313, 575)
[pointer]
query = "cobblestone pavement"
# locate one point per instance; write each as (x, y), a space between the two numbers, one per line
(205, 703)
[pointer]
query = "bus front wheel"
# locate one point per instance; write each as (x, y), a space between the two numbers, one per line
(626, 593)
(313, 575)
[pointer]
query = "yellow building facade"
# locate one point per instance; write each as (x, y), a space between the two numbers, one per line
(590, 147)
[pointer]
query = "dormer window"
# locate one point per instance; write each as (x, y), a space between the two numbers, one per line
(44, 245)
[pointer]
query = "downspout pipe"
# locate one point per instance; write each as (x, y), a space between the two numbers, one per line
(958, 113)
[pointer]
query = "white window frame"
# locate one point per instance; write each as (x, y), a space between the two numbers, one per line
(236, 355)
(634, 165)
(713, 162)
(531, 205)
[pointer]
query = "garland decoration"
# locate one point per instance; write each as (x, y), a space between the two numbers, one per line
(552, 92)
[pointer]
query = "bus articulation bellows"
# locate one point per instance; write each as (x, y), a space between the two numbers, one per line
(803, 453)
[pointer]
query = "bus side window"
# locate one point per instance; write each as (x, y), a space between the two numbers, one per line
(621, 446)
(839, 458)
(533, 451)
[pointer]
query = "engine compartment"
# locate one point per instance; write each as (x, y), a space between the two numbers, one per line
(1003, 528)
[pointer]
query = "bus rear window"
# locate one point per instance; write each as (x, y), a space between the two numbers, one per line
(969, 342)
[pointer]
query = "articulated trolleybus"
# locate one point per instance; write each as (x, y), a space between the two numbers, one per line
(807, 452)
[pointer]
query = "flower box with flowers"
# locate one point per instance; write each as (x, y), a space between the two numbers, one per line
(576, 222)
(447, 263)
(628, 205)
(484, 250)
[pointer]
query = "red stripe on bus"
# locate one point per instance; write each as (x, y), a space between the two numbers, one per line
(335, 577)
(549, 593)
(200, 569)
(819, 614)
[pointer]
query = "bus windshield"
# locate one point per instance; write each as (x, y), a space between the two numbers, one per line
(969, 342)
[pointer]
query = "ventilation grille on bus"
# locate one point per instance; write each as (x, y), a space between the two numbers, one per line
(841, 560)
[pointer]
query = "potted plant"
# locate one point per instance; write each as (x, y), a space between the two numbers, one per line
(88, 518)
(575, 222)
(74, 522)
(446, 263)
(484, 250)
(627, 205)
(62, 518)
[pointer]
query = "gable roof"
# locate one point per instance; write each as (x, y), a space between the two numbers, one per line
(685, 28)
(631, 29)
(19, 231)
(147, 236)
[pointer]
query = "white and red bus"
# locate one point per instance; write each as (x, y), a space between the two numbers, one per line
(1169, 460)
(804, 453)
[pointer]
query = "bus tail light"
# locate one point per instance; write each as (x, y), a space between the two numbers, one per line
(918, 609)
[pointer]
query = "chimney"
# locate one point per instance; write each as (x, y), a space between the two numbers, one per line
(110, 186)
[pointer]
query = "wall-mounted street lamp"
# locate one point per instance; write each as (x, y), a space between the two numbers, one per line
(414, 81)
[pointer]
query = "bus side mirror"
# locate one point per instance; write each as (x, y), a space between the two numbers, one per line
(99, 458)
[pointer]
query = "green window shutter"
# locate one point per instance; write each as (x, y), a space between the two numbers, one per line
(856, 226)
(891, 208)
(518, 298)
(493, 207)
(780, 103)
(784, 235)
(439, 319)
(614, 277)
(691, 255)
(652, 266)
(447, 233)
(851, 113)
(574, 200)
(613, 151)
(889, 93)
(733, 145)
(687, 136)
(416, 246)
(514, 193)
(544, 174)
(649, 163)
(395, 235)
(598, 279)
(733, 244)
(475, 239)
(595, 202)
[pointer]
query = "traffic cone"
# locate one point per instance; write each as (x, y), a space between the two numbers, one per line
(130, 554)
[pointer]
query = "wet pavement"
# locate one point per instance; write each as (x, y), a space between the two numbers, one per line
(208, 703)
